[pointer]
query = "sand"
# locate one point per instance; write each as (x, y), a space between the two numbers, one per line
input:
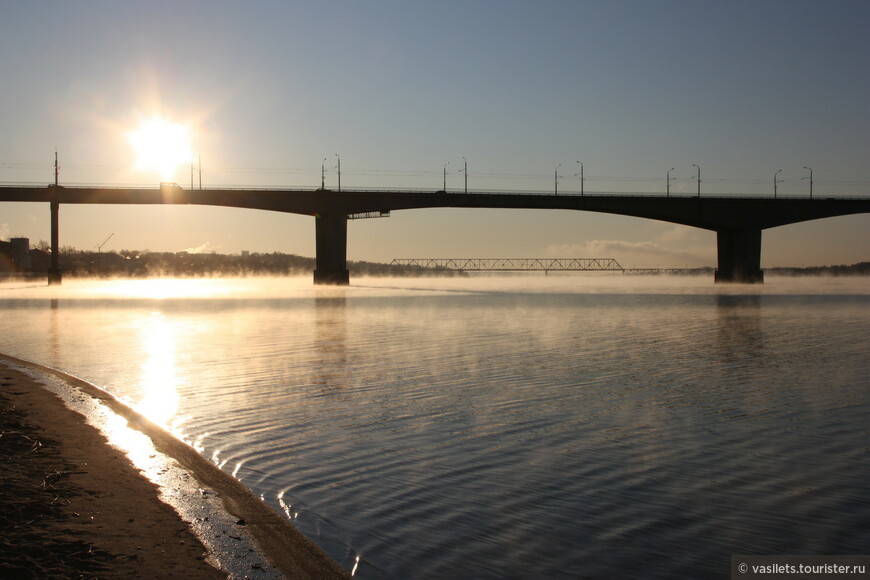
(72, 506)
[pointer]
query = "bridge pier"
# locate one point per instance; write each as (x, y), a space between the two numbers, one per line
(331, 242)
(739, 256)
(54, 275)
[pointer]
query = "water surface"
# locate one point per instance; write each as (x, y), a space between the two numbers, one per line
(501, 427)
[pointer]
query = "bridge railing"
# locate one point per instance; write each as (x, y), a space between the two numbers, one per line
(278, 190)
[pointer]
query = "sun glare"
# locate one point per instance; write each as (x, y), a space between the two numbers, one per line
(162, 145)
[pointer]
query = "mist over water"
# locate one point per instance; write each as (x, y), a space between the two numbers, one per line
(501, 426)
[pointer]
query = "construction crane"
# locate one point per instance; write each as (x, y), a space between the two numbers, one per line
(100, 247)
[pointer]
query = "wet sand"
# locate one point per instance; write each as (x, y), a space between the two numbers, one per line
(71, 505)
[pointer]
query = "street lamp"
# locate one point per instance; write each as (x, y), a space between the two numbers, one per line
(444, 188)
(465, 171)
(556, 179)
(339, 172)
(699, 179)
(198, 165)
(775, 181)
(581, 178)
(811, 180)
(323, 174)
(669, 181)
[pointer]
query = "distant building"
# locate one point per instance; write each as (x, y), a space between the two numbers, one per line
(15, 255)
(21, 247)
(7, 260)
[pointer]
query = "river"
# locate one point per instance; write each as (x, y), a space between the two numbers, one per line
(500, 426)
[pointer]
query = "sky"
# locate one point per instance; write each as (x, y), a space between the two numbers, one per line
(274, 92)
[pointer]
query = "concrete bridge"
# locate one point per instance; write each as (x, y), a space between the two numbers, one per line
(737, 221)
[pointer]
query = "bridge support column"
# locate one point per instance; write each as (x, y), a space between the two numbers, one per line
(331, 261)
(54, 276)
(739, 256)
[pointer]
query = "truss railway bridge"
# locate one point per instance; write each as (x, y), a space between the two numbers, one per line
(511, 264)
(544, 265)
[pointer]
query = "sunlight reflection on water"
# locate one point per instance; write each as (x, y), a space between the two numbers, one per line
(159, 399)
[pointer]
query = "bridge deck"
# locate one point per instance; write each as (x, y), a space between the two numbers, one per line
(708, 212)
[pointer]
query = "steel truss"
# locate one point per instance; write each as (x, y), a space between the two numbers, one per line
(512, 264)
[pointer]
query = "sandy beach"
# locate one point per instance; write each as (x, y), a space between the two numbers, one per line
(71, 505)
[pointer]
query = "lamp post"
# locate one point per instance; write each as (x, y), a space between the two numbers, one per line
(775, 181)
(699, 179)
(556, 179)
(581, 178)
(323, 174)
(669, 181)
(339, 172)
(196, 163)
(444, 187)
(465, 171)
(811, 180)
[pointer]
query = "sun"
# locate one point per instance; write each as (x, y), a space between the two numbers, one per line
(162, 145)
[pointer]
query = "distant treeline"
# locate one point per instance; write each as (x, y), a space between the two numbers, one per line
(132, 264)
(147, 264)
(859, 269)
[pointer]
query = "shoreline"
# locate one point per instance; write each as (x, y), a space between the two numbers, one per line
(138, 535)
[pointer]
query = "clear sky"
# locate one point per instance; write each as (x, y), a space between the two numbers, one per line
(398, 89)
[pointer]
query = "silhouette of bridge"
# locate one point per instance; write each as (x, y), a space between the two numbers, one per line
(737, 221)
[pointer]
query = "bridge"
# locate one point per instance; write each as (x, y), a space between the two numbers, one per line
(737, 221)
(544, 265)
(511, 264)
